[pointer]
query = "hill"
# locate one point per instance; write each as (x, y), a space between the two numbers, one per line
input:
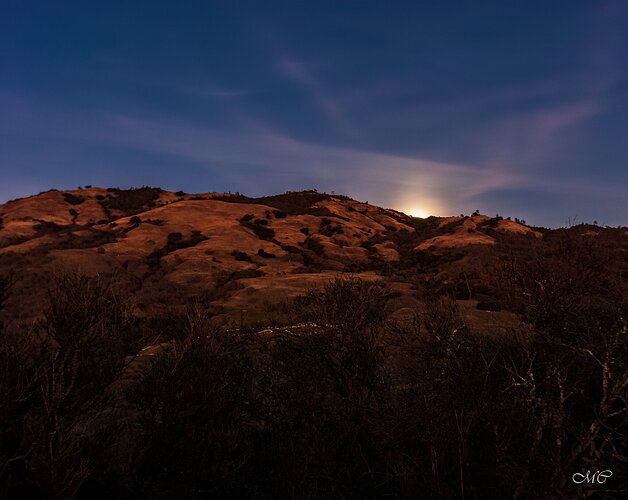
(240, 253)
(165, 345)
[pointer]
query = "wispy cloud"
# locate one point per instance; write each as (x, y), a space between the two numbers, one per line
(534, 138)
(528, 140)
(298, 71)
(262, 158)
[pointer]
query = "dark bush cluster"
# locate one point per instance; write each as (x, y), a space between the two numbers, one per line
(73, 199)
(241, 256)
(174, 242)
(289, 203)
(491, 223)
(342, 403)
(258, 226)
(266, 255)
(327, 228)
(133, 200)
(66, 237)
(314, 244)
(47, 227)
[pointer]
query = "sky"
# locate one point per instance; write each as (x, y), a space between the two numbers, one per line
(516, 108)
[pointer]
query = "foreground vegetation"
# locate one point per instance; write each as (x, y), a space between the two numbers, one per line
(346, 404)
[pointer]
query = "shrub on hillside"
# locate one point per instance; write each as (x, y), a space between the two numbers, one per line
(266, 255)
(258, 226)
(174, 242)
(327, 228)
(73, 199)
(241, 256)
(346, 303)
(132, 200)
(314, 244)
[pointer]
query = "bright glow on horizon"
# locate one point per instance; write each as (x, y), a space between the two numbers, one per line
(418, 212)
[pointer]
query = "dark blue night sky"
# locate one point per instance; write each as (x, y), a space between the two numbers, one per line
(516, 108)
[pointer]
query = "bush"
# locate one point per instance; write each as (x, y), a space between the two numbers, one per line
(263, 233)
(258, 227)
(132, 200)
(262, 253)
(315, 245)
(290, 203)
(329, 229)
(175, 241)
(241, 256)
(291, 249)
(73, 199)
(47, 227)
(345, 303)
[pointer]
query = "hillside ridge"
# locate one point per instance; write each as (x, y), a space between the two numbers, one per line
(240, 253)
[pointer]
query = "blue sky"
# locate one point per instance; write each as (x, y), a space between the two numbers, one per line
(517, 108)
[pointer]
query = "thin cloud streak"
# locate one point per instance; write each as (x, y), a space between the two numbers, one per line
(297, 71)
(361, 173)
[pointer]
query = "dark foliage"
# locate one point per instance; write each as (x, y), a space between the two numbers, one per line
(290, 249)
(175, 241)
(266, 255)
(258, 226)
(66, 237)
(242, 256)
(56, 417)
(327, 228)
(343, 403)
(46, 227)
(314, 244)
(132, 200)
(491, 223)
(246, 273)
(73, 199)
(293, 203)
(289, 203)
